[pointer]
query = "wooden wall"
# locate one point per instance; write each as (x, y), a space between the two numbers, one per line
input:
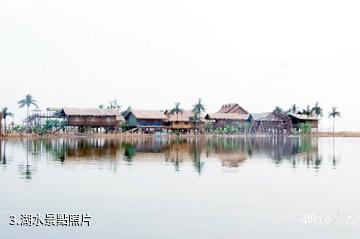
(296, 122)
(94, 121)
(181, 125)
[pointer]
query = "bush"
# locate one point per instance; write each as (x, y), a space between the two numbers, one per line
(305, 128)
(18, 129)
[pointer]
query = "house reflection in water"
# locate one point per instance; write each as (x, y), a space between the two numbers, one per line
(232, 152)
(82, 149)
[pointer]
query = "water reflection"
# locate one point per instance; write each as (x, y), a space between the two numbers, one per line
(231, 152)
(26, 171)
(3, 152)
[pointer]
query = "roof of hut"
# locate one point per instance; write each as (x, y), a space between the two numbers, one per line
(302, 116)
(186, 115)
(232, 108)
(147, 114)
(90, 112)
(229, 116)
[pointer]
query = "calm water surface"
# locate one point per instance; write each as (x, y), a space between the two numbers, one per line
(157, 188)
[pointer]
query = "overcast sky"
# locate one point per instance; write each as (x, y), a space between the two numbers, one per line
(150, 54)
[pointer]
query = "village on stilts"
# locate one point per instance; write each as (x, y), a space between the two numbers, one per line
(230, 119)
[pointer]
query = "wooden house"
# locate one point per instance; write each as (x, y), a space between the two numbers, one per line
(91, 117)
(298, 118)
(229, 114)
(183, 121)
(271, 123)
(221, 119)
(257, 120)
(146, 119)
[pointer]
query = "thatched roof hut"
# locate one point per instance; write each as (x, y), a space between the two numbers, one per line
(185, 116)
(297, 119)
(184, 120)
(221, 119)
(93, 117)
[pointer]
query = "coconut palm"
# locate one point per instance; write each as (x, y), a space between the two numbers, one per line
(176, 110)
(28, 101)
(308, 111)
(278, 110)
(318, 111)
(293, 108)
(114, 105)
(5, 113)
(101, 106)
(198, 108)
(334, 113)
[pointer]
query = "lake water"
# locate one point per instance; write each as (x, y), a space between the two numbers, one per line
(185, 188)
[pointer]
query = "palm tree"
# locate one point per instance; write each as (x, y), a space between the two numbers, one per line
(101, 106)
(114, 105)
(308, 112)
(198, 108)
(318, 111)
(176, 110)
(5, 113)
(278, 110)
(27, 101)
(293, 108)
(333, 114)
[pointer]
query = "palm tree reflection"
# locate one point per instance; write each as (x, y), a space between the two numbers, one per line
(334, 159)
(3, 154)
(26, 171)
(196, 152)
(129, 152)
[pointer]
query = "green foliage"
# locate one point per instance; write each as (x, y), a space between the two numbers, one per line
(27, 101)
(123, 126)
(209, 127)
(53, 125)
(293, 109)
(198, 108)
(308, 112)
(50, 125)
(114, 105)
(18, 129)
(176, 110)
(317, 110)
(5, 112)
(305, 128)
(334, 113)
(278, 110)
(236, 128)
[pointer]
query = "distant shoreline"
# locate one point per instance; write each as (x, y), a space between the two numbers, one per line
(341, 134)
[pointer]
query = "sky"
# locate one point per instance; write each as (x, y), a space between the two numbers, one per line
(151, 54)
